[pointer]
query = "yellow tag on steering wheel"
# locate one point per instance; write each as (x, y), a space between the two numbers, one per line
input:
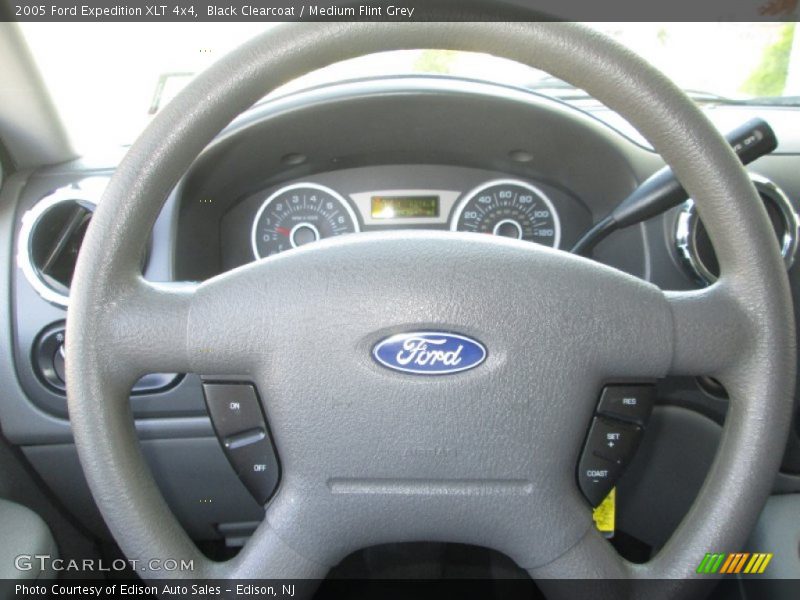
(605, 514)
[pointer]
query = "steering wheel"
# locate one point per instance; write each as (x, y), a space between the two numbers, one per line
(555, 326)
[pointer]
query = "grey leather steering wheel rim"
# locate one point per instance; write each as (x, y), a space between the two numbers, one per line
(353, 487)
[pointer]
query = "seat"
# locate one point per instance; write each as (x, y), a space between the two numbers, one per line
(24, 536)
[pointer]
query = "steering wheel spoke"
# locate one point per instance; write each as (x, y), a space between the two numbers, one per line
(591, 558)
(267, 556)
(709, 331)
(169, 327)
(142, 327)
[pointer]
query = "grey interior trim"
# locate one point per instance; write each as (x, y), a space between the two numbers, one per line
(22, 421)
(306, 527)
(14, 415)
(193, 474)
(29, 122)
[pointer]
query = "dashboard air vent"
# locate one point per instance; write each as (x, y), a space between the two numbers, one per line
(50, 238)
(694, 246)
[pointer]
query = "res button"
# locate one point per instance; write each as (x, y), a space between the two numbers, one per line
(627, 402)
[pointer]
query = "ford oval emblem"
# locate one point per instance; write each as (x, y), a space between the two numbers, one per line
(429, 353)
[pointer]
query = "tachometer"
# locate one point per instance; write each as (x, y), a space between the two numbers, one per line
(300, 214)
(509, 208)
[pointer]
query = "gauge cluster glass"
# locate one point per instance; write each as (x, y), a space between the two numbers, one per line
(303, 213)
(509, 208)
(300, 214)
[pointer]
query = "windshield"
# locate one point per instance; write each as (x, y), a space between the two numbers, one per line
(108, 81)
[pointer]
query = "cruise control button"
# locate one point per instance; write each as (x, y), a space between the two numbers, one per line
(243, 439)
(627, 402)
(257, 467)
(613, 440)
(233, 407)
(596, 477)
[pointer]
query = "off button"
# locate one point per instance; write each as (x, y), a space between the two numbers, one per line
(256, 464)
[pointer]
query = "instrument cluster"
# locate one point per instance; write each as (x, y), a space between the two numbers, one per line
(303, 213)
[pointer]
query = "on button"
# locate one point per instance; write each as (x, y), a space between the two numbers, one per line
(233, 407)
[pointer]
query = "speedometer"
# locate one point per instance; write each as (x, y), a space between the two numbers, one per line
(300, 214)
(509, 208)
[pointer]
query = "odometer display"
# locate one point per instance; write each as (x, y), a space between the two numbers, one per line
(509, 208)
(300, 214)
(404, 207)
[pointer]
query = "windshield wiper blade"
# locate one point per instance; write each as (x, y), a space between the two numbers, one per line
(773, 101)
(711, 98)
(704, 96)
(556, 88)
(563, 90)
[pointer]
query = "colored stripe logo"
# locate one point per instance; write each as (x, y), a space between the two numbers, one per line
(735, 562)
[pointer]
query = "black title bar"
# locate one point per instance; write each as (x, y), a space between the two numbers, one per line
(397, 10)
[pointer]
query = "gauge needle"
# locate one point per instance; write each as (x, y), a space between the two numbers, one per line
(282, 231)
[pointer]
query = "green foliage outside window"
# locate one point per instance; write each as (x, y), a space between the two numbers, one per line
(769, 78)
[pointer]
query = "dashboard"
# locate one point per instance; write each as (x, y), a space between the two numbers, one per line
(438, 153)
(449, 171)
